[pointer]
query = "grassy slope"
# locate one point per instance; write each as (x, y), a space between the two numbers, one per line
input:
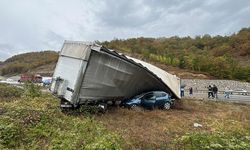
(150, 129)
(38, 123)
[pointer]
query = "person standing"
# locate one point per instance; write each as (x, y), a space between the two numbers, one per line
(210, 91)
(227, 92)
(190, 91)
(215, 91)
(182, 91)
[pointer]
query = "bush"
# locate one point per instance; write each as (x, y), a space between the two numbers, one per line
(7, 91)
(88, 134)
(32, 90)
(10, 134)
(38, 123)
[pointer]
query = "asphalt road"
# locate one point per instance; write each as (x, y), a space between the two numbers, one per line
(245, 99)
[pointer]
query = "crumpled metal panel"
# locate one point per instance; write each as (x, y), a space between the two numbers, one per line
(172, 81)
(110, 75)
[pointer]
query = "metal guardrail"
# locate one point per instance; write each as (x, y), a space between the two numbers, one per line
(220, 92)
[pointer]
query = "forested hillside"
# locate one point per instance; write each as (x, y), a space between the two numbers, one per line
(220, 56)
(28, 61)
(224, 57)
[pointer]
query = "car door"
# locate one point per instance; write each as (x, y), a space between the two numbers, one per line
(160, 99)
(148, 100)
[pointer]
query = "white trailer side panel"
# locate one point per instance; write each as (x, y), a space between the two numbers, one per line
(69, 69)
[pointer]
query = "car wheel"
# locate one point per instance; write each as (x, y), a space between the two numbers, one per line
(167, 106)
(135, 107)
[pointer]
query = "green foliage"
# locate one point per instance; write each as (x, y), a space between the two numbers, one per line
(182, 62)
(7, 91)
(10, 133)
(86, 110)
(217, 55)
(38, 123)
(215, 141)
(31, 89)
(242, 73)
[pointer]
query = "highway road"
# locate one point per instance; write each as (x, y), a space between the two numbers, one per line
(245, 99)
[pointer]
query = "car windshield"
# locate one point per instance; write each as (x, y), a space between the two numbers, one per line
(138, 96)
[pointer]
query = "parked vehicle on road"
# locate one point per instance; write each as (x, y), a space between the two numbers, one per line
(47, 81)
(154, 99)
(36, 78)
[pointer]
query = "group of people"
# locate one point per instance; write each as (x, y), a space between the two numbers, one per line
(212, 91)
(190, 91)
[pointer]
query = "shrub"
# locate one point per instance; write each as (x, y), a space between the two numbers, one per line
(10, 134)
(7, 91)
(32, 90)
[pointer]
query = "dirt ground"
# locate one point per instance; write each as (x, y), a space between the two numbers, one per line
(158, 128)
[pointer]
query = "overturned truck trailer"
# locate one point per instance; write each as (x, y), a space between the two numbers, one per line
(89, 73)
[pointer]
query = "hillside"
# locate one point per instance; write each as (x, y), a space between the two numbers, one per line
(44, 63)
(28, 62)
(225, 57)
(203, 57)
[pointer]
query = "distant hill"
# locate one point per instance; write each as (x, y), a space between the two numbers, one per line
(28, 62)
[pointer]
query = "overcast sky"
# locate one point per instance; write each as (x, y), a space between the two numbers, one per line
(34, 25)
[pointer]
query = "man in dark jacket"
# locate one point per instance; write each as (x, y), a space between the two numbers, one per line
(190, 91)
(215, 91)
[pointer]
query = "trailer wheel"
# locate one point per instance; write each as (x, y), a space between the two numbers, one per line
(102, 107)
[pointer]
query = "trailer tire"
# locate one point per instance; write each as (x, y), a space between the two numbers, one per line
(102, 107)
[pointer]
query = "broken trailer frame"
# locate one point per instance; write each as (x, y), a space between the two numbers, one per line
(90, 73)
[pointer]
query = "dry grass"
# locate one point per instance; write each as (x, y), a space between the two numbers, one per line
(158, 128)
(38, 123)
